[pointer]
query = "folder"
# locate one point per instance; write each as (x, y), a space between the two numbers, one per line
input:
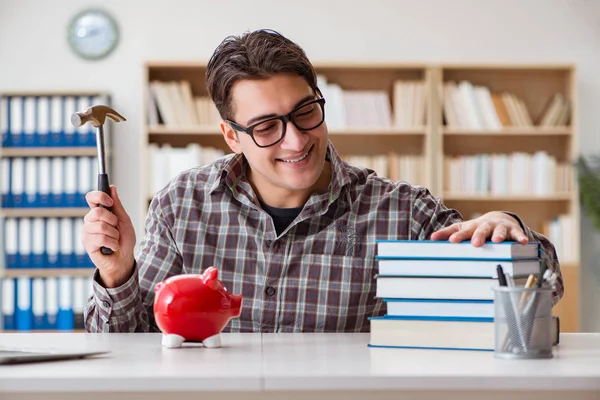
(85, 179)
(70, 182)
(15, 122)
(29, 121)
(5, 191)
(56, 121)
(57, 188)
(4, 116)
(44, 182)
(52, 242)
(17, 181)
(65, 320)
(38, 245)
(38, 303)
(31, 182)
(24, 254)
(66, 243)
(43, 121)
(79, 300)
(51, 309)
(24, 315)
(69, 108)
(11, 241)
(8, 303)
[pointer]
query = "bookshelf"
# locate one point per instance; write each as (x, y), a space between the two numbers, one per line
(47, 166)
(507, 138)
(412, 114)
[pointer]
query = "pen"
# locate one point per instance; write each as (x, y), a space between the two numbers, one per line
(531, 282)
(501, 277)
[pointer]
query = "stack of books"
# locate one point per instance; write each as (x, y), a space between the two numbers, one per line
(439, 295)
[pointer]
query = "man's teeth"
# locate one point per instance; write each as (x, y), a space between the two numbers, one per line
(297, 159)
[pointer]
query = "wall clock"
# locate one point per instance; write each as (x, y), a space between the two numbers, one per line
(93, 34)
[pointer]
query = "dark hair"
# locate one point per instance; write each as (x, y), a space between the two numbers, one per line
(254, 55)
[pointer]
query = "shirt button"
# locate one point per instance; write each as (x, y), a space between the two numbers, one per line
(106, 304)
(270, 290)
(268, 243)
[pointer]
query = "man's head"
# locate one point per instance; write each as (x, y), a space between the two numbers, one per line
(265, 89)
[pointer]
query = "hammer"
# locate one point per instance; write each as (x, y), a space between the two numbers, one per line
(96, 115)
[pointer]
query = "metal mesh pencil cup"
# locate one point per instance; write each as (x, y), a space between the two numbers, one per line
(522, 322)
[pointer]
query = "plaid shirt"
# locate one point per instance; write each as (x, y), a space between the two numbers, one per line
(317, 276)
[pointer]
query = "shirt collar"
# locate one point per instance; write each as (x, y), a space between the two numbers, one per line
(233, 169)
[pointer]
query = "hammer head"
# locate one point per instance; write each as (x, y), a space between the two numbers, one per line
(96, 115)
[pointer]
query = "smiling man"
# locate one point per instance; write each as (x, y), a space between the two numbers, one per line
(287, 223)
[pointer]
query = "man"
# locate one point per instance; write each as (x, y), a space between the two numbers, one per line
(288, 224)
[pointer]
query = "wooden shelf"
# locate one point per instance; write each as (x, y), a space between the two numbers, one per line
(516, 131)
(48, 151)
(209, 131)
(504, 198)
(44, 212)
(45, 272)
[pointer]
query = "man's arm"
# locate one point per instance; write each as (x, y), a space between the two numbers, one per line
(431, 219)
(130, 306)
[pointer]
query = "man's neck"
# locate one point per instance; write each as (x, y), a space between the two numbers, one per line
(279, 197)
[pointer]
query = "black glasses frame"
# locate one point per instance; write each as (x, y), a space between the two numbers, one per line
(283, 118)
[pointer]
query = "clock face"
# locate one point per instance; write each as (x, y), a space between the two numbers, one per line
(93, 34)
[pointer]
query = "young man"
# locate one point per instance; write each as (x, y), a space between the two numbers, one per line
(288, 224)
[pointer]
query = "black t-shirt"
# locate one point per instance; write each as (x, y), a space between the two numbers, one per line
(282, 217)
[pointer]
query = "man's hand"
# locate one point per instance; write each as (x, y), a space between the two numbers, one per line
(497, 225)
(109, 229)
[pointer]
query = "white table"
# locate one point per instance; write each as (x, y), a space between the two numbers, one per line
(292, 366)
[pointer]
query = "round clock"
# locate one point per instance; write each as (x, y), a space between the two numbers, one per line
(93, 34)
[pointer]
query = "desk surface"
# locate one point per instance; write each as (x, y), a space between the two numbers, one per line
(280, 362)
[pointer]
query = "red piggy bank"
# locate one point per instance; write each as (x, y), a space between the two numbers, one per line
(194, 308)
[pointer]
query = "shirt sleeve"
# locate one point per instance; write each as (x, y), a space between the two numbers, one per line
(130, 307)
(548, 256)
(429, 214)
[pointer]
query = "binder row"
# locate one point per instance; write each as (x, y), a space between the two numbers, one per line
(45, 121)
(53, 242)
(32, 182)
(55, 303)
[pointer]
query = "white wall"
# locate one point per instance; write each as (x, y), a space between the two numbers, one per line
(34, 55)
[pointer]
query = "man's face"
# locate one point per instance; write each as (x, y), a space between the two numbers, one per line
(296, 162)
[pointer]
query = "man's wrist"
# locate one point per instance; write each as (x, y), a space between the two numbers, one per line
(114, 280)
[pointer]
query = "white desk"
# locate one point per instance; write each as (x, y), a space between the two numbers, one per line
(292, 366)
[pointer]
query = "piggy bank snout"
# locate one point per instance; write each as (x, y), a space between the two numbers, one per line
(158, 287)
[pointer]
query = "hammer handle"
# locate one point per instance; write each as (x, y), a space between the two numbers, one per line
(104, 187)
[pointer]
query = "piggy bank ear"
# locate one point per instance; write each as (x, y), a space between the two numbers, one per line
(211, 274)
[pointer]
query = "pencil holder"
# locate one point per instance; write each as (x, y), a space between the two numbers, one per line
(522, 322)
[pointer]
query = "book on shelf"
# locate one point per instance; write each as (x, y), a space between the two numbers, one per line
(397, 167)
(516, 173)
(172, 104)
(439, 249)
(471, 106)
(346, 108)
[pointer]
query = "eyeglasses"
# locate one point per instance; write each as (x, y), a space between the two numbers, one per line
(270, 132)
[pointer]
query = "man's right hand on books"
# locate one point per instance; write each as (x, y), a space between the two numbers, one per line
(111, 229)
